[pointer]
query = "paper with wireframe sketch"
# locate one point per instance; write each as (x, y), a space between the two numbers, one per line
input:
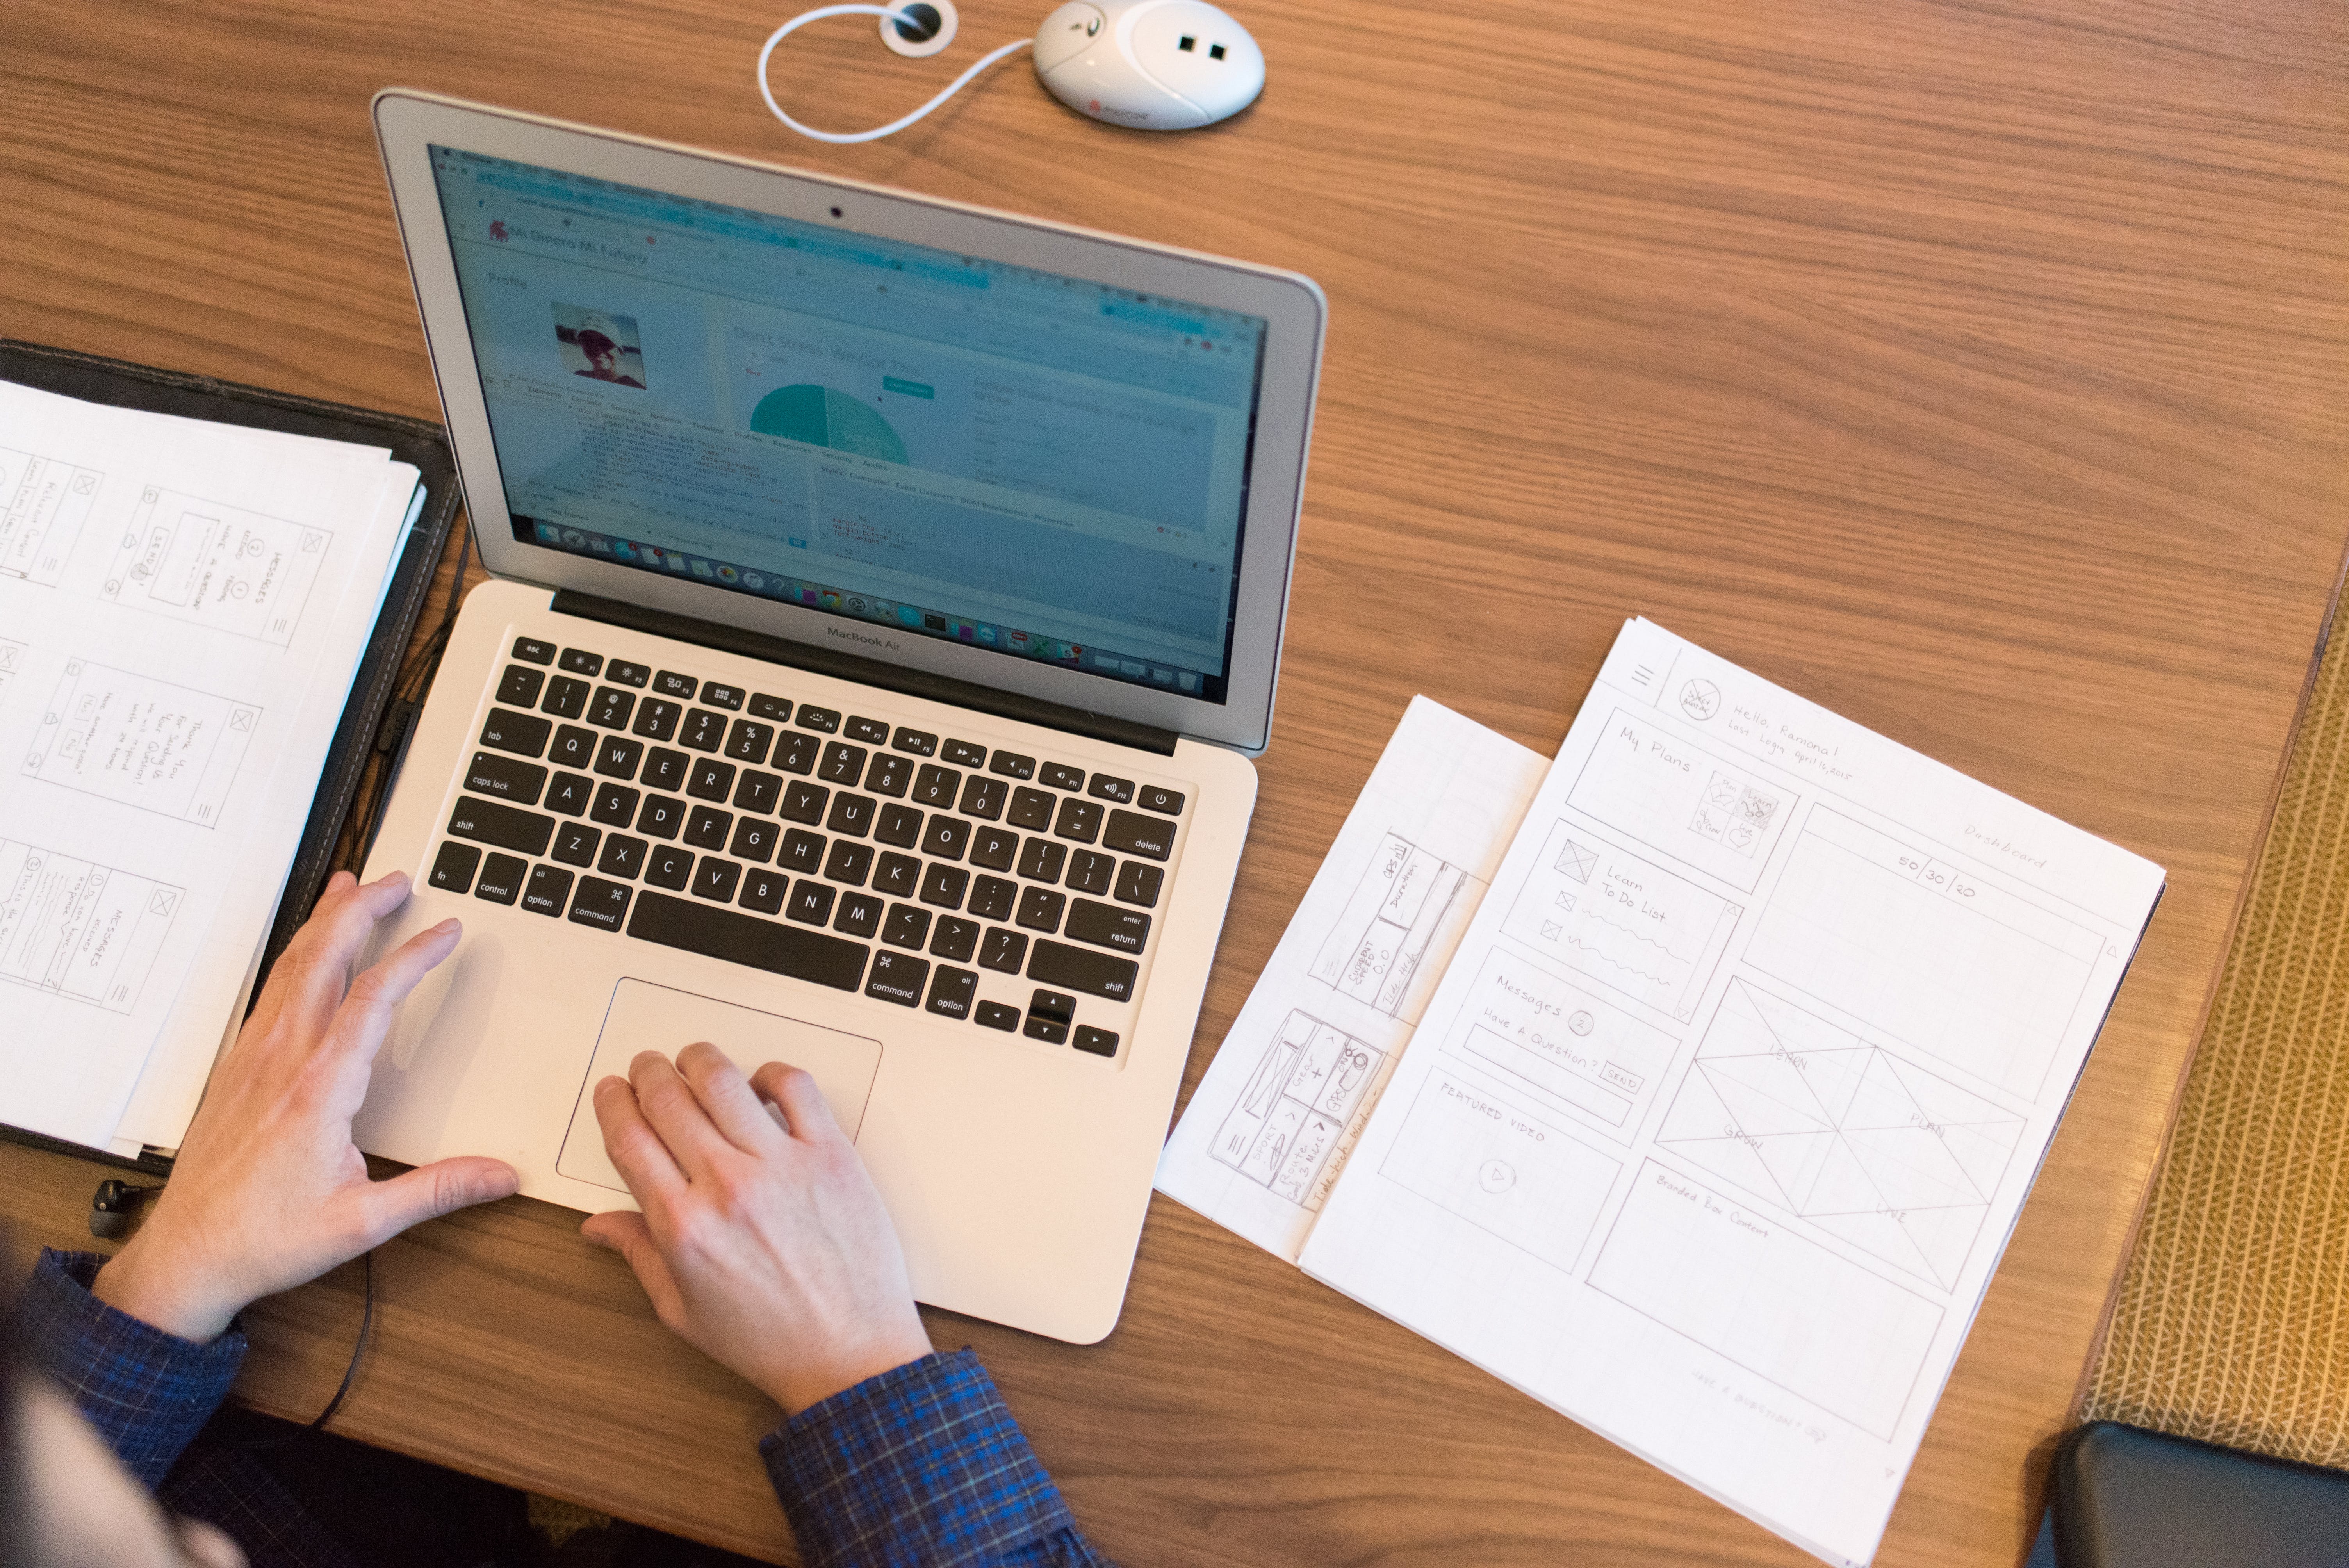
(1267, 1132)
(1717, 1123)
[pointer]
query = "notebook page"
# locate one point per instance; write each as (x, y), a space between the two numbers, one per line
(170, 592)
(1720, 1119)
(211, 1008)
(1302, 1067)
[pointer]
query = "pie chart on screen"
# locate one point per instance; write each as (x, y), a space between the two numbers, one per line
(826, 416)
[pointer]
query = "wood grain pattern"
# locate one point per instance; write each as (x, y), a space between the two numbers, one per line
(1976, 370)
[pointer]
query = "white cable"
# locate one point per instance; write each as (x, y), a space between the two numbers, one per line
(904, 13)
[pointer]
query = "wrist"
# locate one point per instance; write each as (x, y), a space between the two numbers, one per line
(144, 1281)
(803, 1383)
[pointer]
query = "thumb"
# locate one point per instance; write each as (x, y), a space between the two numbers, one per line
(431, 1191)
(623, 1230)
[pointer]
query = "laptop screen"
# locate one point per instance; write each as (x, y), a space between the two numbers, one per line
(946, 445)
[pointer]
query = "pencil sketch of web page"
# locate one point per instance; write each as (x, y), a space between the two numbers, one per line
(1702, 809)
(43, 504)
(141, 741)
(1300, 1104)
(1411, 906)
(1483, 1159)
(1620, 919)
(1900, 1162)
(1743, 1285)
(74, 928)
(1931, 954)
(1558, 1041)
(212, 564)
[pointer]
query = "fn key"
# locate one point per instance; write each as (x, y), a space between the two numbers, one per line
(452, 869)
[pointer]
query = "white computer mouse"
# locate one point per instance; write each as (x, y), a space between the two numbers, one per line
(1154, 65)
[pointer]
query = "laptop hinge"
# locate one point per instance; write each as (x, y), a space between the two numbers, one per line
(867, 672)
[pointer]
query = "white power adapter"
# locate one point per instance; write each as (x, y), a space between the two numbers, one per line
(1148, 65)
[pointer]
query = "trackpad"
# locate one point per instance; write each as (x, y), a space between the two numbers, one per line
(648, 1018)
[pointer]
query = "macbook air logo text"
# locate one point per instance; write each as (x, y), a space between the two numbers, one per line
(889, 643)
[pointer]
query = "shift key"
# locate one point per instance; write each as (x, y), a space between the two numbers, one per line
(1078, 969)
(487, 822)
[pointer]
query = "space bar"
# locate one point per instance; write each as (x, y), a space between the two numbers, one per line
(740, 939)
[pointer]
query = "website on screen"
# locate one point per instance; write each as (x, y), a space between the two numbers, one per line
(951, 446)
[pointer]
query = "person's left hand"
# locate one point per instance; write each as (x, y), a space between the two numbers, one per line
(268, 1191)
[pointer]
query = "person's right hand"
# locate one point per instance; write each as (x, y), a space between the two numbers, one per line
(763, 1244)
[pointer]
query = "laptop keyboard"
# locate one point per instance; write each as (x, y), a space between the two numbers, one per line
(837, 848)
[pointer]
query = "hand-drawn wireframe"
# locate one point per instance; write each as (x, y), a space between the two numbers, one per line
(1627, 923)
(12, 659)
(1925, 953)
(1558, 1041)
(76, 928)
(1639, 772)
(1734, 813)
(1389, 947)
(144, 742)
(1767, 1299)
(216, 565)
(1297, 1109)
(1899, 1161)
(43, 504)
(1474, 1154)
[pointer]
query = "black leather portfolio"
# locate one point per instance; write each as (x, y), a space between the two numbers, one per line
(416, 441)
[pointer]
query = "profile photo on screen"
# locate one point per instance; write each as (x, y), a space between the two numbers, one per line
(599, 345)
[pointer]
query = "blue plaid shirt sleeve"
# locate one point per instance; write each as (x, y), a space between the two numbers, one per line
(921, 1466)
(146, 1391)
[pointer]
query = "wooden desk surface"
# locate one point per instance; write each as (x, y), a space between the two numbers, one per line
(1977, 371)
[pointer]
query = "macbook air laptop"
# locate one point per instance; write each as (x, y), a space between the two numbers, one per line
(888, 597)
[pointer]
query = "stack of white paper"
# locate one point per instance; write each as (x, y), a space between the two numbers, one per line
(1268, 1133)
(1730, 1092)
(183, 607)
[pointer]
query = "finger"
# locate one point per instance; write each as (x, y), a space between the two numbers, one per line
(365, 1016)
(637, 1153)
(625, 1232)
(272, 1000)
(431, 1191)
(726, 1095)
(203, 1544)
(668, 1103)
(792, 1090)
(310, 977)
